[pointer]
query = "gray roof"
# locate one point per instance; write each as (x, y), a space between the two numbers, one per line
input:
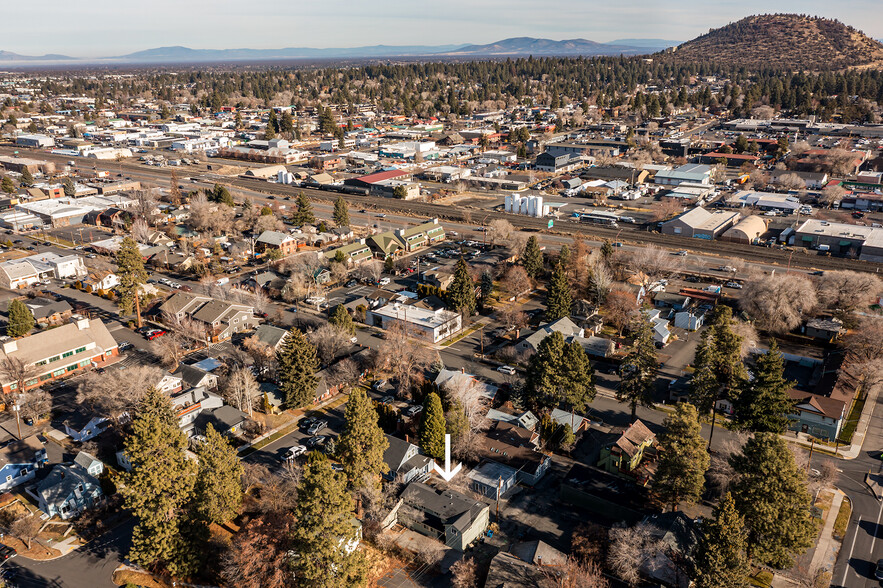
(62, 481)
(86, 460)
(191, 375)
(539, 553)
(452, 508)
(490, 472)
(274, 238)
(395, 453)
(270, 335)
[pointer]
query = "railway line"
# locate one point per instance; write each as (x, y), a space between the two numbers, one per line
(798, 258)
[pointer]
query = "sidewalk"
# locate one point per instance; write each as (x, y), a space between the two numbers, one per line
(827, 548)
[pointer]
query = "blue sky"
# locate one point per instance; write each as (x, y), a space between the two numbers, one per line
(91, 28)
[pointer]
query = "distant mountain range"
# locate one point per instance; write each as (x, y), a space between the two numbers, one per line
(519, 46)
(10, 56)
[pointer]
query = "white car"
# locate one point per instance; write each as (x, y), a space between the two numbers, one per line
(295, 451)
(506, 369)
(354, 339)
(383, 281)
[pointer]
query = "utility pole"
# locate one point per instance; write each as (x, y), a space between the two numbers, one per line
(713, 418)
(812, 446)
(16, 408)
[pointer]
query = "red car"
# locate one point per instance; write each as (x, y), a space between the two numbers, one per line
(151, 335)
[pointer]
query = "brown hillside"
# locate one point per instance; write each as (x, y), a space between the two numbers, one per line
(790, 41)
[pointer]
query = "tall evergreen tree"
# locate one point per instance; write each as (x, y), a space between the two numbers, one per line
(680, 475)
(764, 404)
(303, 215)
(560, 296)
(720, 560)
(286, 125)
(272, 124)
(324, 529)
(581, 375)
(607, 251)
(432, 427)
(546, 378)
(461, 292)
(221, 195)
(298, 364)
(770, 493)
(218, 491)
(132, 275)
(486, 287)
(532, 257)
(21, 320)
(638, 370)
(159, 487)
(340, 318)
(341, 214)
(27, 179)
(362, 442)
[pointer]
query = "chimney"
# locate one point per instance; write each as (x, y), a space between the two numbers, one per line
(10, 346)
(462, 370)
(82, 324)
(406, 438)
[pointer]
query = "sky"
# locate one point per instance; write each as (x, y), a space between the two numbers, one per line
(102, 28)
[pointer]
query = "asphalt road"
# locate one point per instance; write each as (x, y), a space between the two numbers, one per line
(90, 566)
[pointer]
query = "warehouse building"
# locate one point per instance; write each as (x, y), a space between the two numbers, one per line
(701, 224)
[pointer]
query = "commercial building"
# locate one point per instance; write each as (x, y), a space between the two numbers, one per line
(421, 323)
(354, 253)
(60, 351)
(25, 271)
(691, 172)
(700, 223)
(746, 231)
(765, 201)
(841, 238)
(34, 141)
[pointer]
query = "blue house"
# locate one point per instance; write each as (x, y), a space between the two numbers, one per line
(19, 461)
(82, 427)
(816, 415)
(68, 491)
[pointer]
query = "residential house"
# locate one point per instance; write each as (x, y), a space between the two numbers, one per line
(220, 319)
(68, 491)
(93, 466)
(625, 454)
(513, 446)
(507, 569)
(49, 312)
(527, 419)
(271, 336)
(60, 351)
(195, 377)
(492, 479)
(826, 329)
(82, 426)
(564, 418)
(19, 461)
(460, 380)
(445, 515)
(594, 346)
(285, 243)
(100, 280)
(190, 403)
(226, 420)
(816, 415)
(404, 461)
(564, 325)
(659, 326)
(353, 254)
(26, 271)
(690, 320)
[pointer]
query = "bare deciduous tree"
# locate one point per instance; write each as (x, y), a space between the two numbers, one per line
(27, 528)
(778, 302)
(630, 548)
(512, 316)
(464, 573)
(34, 404)
(329, 342)
(791, 181)
(653, 264)
(667, 208)
(516, 281)
(499, 232)
(831, 195)
(621, 307)
(116, 392)
(140, 230)
(403, 356)
(240, 389)
(846, 291)
(865, 342)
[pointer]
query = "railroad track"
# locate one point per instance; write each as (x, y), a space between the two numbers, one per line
(799, 258)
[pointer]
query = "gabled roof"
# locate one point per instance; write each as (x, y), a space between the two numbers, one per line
(63, 481)
(829, 407)
(396, 451)
(636, 435)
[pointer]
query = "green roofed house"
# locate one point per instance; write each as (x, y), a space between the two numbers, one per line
(354, 253)
(385, 244)
(407, 240)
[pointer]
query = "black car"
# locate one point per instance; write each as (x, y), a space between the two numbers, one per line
(307, 422)
(316, 441)
(6, 552)
(351, 283)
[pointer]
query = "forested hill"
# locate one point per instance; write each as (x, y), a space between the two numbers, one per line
(789, 41)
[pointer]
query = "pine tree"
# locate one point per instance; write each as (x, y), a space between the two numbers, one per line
(705, 387)
(638, 370)
(324, 528)
(304, 213)
(432, 427)
(560, 297)
(341, 213)
(222, 195)
(607, 251)
(131, 272)
(21, 320)
(770, 493)
(720, 560)
(286, 125)
(340, 318)
(764, 404)
(237, 121)
(532, 257)
(486, 287)
(27, 179)
(218, 492)
(159, 487)
(297, 370)
(461, 292)
(680, 475)
(564, 256)
(581, 376)
(546, 376)
(70, 189)
(174, 190)
(362, 442)
(272, 122)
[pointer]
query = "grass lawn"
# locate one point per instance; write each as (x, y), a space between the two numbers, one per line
(855, 413)
(842, 521)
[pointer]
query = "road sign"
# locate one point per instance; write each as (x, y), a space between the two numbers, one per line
(447, 473)
(551, 223)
